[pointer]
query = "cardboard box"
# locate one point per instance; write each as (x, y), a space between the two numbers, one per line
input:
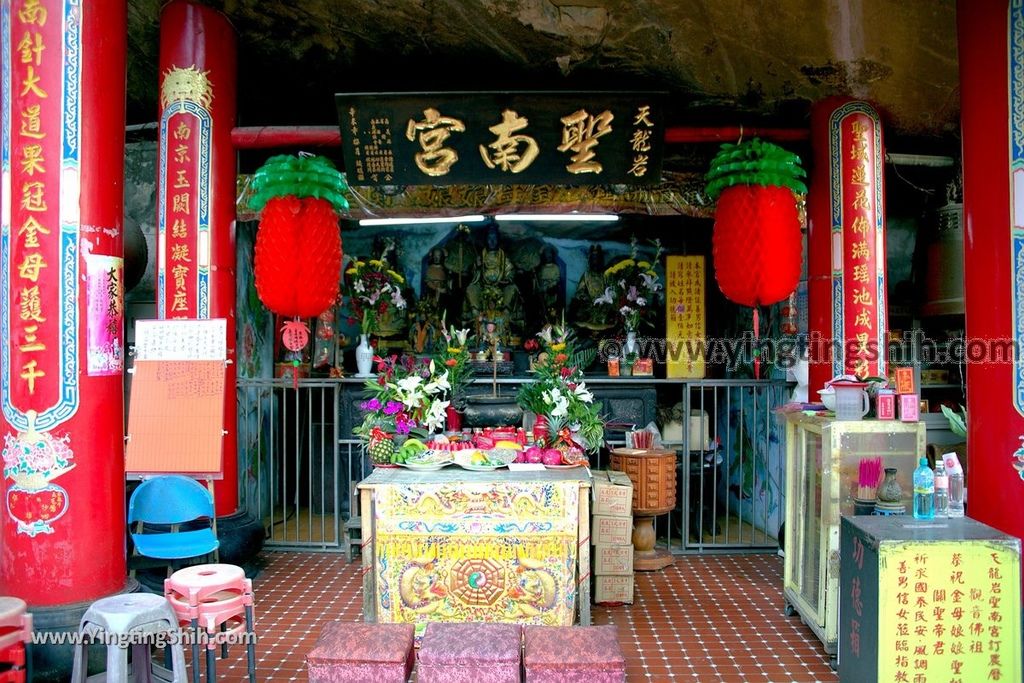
(607, 530)
(613, 589)
(613, 560)
(613, 493)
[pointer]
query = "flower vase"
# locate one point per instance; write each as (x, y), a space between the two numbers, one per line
(453, 419)
(364, 357)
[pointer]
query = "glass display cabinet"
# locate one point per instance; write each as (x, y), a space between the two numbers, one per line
(823, 459)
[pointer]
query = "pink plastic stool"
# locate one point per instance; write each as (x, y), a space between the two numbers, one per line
(219, 599)
(15, 637)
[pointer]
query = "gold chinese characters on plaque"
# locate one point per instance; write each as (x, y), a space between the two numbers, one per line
(685, 316)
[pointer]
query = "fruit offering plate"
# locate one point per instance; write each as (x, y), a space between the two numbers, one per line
(565, 467)
(425, 466)
(428, 461)
(484, 461)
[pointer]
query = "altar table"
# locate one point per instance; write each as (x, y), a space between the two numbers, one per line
(455, 545)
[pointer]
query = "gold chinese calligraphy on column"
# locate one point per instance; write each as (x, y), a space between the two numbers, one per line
(33, 213)
(180, 216)
(859, 217)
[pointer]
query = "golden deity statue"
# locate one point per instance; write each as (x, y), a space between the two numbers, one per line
(591, 317)
(493, 294)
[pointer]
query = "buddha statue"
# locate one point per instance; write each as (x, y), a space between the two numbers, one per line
(423, 330)
(547, 289)
(590, 317)
(435, 278)
(493, 294)
(438, 290)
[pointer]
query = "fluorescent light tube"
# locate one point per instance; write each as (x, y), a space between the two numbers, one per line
(557, 217)
(422, 221)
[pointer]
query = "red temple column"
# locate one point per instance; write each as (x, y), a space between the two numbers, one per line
(846, 261)
(196, 190)
(62, 525)
(991, 49)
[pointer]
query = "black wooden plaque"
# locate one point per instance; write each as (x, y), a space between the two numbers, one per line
(516, 138)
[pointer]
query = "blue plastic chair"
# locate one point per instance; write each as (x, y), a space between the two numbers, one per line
(172, 500)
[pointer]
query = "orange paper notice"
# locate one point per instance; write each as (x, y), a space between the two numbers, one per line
(175, 418)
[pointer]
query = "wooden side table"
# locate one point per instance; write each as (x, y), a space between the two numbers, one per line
(653, 473)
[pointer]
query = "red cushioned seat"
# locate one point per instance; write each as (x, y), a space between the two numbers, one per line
(573, 654)
(470, 653)
(362, 653)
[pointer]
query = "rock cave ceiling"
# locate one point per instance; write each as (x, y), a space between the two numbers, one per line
(722, 61)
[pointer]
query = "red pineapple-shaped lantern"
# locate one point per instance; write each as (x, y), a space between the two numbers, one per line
(756, 242)
(298, 245)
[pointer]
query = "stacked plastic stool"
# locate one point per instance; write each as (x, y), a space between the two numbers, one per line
(470, 653)
(136, 620)
(218, 600)
(15, 638)
(573, 654)
(362, 653)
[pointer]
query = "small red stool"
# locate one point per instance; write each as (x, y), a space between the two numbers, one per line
(218, 598)
(470, 653)
(573, 654)
(15, 638)
(362, 653)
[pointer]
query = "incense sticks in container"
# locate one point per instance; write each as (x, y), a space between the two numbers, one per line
(869, 476)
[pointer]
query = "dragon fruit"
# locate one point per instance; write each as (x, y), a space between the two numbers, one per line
(552, 456)
(533, 454)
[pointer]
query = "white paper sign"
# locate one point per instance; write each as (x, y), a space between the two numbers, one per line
(181, 339)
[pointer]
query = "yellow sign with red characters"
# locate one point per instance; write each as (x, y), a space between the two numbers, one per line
(685, 316)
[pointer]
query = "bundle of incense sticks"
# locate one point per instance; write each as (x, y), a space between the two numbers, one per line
(642, 439)
(869, 477)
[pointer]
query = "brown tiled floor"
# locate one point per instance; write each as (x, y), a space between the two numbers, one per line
(707, 619)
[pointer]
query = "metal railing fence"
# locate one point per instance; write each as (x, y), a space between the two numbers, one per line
(298, 471)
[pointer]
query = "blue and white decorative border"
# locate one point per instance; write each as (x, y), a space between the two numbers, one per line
(203, 236)
(835, 134)
(70, 225)
(1016, 159)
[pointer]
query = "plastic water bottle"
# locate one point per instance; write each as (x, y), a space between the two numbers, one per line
(941, 489)
(924, 491)
(956, 494)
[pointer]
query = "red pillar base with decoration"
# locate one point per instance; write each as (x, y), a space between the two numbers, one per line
(991, 49)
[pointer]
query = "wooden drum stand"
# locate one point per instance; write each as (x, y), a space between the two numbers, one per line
(653, 473)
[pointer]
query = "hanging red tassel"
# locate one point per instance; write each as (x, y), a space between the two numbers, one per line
(757, 346)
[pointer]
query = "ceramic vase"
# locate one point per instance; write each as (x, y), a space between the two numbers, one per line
(890, 491)
(364, 357)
